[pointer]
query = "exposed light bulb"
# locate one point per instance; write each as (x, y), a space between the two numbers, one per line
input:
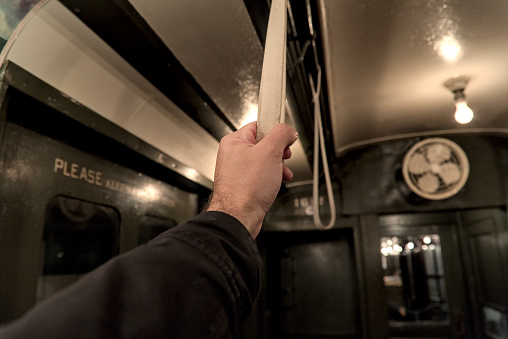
(463, 114)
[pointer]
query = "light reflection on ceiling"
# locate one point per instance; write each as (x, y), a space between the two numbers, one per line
(443, 31)
(449, 48)
(251, 113)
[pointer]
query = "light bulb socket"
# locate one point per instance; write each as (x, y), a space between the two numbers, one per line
(457, 83)
(459, 95)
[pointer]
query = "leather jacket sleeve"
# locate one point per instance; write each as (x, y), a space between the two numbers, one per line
(197, 280)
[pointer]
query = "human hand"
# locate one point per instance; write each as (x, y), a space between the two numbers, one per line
(248, 175)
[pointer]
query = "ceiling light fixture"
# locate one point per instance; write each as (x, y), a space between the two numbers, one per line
(463, 114)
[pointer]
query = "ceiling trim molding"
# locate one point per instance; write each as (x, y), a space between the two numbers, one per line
(355, 145)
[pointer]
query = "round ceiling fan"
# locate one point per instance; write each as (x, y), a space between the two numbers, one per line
(435, 168)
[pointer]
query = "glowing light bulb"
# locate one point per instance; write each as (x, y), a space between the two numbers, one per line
(463, 114)
(427, 240)
(410, 245)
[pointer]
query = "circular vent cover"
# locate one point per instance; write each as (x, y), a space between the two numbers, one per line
(435, 168)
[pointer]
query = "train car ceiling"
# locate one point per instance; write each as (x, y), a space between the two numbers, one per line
(387, 62)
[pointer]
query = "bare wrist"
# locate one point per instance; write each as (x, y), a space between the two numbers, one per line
(242, 212)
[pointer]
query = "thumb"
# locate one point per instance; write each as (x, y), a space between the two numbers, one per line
(248, 132)
(281, 136)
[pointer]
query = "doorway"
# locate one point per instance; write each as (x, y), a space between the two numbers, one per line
(311, 285)
(422, 275)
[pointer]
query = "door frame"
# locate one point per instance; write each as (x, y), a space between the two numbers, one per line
(469, 227)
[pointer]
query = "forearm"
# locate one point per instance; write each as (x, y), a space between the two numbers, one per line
(198, 280)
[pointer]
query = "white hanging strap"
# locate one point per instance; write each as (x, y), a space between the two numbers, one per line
(272, 90)
(319, 140)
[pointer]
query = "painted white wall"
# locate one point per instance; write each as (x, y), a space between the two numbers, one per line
(58, 48)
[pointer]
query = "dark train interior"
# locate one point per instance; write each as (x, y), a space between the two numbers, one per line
(111, 113)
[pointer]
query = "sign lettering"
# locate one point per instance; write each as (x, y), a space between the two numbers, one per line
(72, 170)
(305, 204)
(90, 176)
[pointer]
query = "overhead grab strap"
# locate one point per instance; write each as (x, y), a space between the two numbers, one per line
(272, 90)
(272, 101)
(319, 140)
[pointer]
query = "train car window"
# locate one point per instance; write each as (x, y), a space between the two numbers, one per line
(150, 227)
(78, 237)
(414, 279)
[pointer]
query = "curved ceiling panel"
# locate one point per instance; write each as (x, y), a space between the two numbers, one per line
(387, 62)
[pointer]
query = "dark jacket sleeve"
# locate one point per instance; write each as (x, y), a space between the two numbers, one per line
(198, 280)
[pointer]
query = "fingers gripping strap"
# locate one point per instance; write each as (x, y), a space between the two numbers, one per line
(272, 91)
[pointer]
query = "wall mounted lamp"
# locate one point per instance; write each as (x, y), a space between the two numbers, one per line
(463, 114)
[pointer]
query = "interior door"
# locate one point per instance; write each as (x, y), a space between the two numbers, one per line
(311, 285)
(485, 248)
(423, 279)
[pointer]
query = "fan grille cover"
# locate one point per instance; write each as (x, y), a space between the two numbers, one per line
(435, 168)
